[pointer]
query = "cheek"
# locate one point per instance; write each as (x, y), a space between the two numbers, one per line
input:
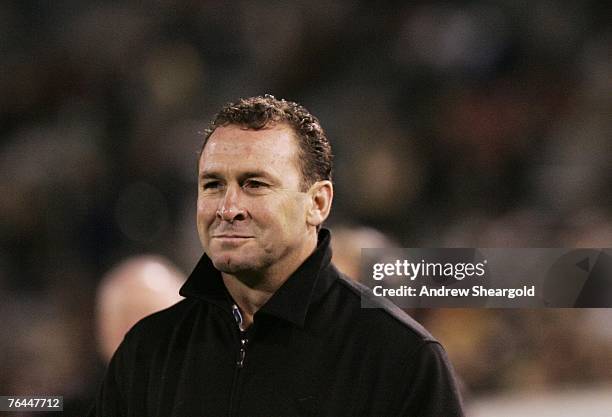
(205, 213)
(292, 216)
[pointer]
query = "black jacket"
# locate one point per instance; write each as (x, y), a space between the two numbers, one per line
(311, 350)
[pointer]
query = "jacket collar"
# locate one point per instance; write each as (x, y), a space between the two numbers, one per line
(290, 302)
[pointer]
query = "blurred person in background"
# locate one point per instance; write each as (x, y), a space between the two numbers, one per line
(270, 326)
(347, 243)
(135, 288)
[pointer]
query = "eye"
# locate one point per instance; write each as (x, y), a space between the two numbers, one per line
(254, 185)
(211, 185)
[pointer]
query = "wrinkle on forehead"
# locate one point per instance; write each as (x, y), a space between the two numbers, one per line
(232, 148)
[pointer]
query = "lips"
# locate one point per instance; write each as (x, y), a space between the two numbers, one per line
(230, 241)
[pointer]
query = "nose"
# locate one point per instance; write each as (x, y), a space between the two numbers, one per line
(231, 209)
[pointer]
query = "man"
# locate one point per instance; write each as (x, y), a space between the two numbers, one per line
(269, 326)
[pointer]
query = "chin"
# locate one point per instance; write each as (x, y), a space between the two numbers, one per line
(232, 264)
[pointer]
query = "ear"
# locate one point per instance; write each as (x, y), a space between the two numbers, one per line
(320, 196)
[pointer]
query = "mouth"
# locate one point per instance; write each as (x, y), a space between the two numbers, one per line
(230, 241)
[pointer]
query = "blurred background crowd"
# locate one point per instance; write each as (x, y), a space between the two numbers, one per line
(463, 124)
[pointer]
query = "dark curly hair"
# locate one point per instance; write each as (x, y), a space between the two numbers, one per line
(315, 155)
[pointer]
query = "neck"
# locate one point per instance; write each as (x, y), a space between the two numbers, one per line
(253, 289)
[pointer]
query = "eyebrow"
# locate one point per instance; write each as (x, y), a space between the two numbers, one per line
(205, 175)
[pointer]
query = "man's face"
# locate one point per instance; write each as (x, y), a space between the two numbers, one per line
(251, 213)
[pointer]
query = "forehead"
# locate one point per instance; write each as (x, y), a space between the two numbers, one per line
(272, 149)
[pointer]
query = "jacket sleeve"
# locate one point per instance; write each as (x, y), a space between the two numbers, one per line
(111, 398)
(432, 389)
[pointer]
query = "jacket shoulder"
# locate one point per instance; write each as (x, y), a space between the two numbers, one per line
(162, 323)
(389, 318)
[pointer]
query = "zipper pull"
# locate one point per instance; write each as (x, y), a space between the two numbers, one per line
(238, 317)
(242, 353)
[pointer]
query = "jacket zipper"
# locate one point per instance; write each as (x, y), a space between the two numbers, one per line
(243, 336)
(241, 355)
